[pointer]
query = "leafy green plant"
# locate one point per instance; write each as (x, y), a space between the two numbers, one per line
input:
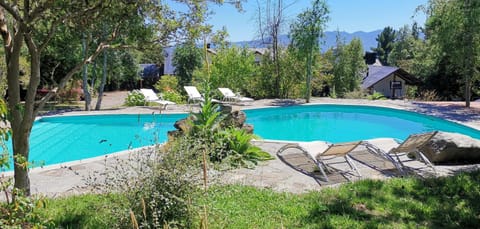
(226, 145)
(135, 98)
(166, 83)
(428, 95)
(356, 94)
(243, 153)
(169, 87)
(173, 96)
(376, 96)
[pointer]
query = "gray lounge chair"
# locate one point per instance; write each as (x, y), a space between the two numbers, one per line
(411, 145)
(319, 151)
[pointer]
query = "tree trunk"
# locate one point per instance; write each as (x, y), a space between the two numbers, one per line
(86, 92)
(309, 76)
(469, 53)
(20, 136)
(102, 84)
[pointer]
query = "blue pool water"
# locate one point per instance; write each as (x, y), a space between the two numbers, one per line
(343, 123)
(62, 139)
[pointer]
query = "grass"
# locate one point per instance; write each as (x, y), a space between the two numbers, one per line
(84, 211)
(396, 203)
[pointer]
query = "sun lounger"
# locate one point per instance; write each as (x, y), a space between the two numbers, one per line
(319, 152)
(150, 96)
(194, 95)
(411, 145)
(229, 96)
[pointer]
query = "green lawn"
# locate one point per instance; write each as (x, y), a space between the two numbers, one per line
(395, 203)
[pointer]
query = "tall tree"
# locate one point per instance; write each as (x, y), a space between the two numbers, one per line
(32, 24)
(233, 67)
(271, 20)
(385, 42)
(454, 29)
(186, 58)
(348, 66)
(305, 33)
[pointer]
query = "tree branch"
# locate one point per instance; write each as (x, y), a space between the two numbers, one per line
(11, 10)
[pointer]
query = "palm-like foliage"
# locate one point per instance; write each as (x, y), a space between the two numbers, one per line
(225, 144)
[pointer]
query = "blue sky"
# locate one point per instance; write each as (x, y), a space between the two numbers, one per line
(345, 15)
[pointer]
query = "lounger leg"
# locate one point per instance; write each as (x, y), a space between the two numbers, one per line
(320, 166)
(426, 161)
(352, 165)
(399, 162)
(375, 150)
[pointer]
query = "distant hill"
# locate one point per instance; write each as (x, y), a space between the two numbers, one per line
(367, 38)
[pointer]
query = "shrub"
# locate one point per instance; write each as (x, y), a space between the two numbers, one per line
(168, 85)
(227, 146)
(173, 96)
(157, 187)
(135, 98)
(376, 96)
(357, 94)
(73, 92)
(411, 92)
(428, 95)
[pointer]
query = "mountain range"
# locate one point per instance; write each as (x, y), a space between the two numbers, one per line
(328, 41)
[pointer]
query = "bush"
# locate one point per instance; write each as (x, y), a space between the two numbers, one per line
(428, 95)
(135, 98)
(227, 146)
(168, 85)
(73, 92)
(156, 187)
(173, 96)
(411, 92)
(357, 94)
(376, 96)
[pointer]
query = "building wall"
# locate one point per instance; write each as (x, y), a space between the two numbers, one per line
(383, 86)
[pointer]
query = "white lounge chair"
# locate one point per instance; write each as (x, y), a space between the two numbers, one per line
(150, 96)
(411, 145)
(194, 95)
(319, 152)
(229, 96)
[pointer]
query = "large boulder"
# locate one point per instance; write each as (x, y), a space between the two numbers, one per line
(446, 147)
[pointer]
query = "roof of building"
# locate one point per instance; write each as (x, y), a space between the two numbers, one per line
(149, 71)
(377, 73)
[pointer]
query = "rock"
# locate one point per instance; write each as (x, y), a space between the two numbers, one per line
(226, 109)
(172, 134)
(248, 128)
(182, 124)
(446, 147)
(237, 118)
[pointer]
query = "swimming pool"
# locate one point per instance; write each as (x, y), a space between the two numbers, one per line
(62, 139)
(68, 138)
(343, 123)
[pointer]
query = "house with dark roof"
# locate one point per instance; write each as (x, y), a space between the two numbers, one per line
(387, 80)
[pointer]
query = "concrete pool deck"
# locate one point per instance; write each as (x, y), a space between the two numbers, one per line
(275, 174)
